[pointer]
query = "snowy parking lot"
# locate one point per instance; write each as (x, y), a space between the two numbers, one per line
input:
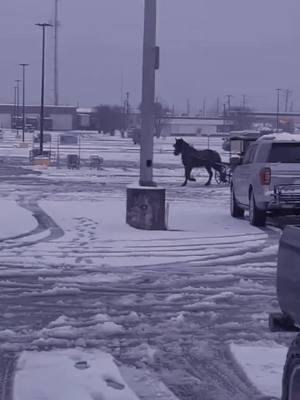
(175, 314)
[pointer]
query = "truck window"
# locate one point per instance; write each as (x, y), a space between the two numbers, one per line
(285, 153)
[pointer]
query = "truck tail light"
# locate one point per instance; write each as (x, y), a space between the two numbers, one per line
(265, 176)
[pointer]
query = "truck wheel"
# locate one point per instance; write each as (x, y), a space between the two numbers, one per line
(235, 210)
(256, 217)
(291, 375)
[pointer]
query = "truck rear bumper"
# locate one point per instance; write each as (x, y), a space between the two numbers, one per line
(283, 197)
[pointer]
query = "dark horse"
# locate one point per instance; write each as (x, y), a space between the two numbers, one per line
(192, 158)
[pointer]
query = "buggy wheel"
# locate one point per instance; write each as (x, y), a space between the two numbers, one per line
(218, 177)
(291, 376)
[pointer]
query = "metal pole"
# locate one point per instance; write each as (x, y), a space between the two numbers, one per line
(15, 107)
(229, 96)
(18, 105)
(278, 108)
(287, 96)
(18, 98)
(244, 102)
(43, 26)
(24, 118)
(56, 26)
(148, 94)
(42, 96)
(127, 111)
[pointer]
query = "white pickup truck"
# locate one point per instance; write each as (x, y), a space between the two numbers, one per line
(267, 179)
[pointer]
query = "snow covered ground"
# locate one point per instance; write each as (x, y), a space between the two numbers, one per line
(167, 306)
(14, 220)
(263, 363)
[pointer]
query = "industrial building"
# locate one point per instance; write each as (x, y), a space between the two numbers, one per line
(194, 126)
(58, 118)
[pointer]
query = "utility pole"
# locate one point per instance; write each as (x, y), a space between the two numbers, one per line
(127, 110)
(287, 95)
(204, 107)
(43, 26)
(15, 107)
(148, 94)
(146, 204)
(278, 108)
(244, 102)
(188, 107)
(229, 97)
(218, 106)
(18, 105)
(24, 119)
(56, 73)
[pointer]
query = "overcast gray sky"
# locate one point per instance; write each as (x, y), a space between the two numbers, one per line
(208, 48)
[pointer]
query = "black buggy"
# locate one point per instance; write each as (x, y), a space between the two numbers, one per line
(237, 143)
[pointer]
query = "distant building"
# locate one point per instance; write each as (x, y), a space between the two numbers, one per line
(58, 118)
(86, 118)
(182, 126)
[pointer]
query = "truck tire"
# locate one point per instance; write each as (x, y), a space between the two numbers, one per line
(256, 217)
(235, 210)
(291, 375)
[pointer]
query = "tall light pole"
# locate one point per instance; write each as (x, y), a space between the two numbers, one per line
(229, 97)
(278, 108)
(18, 105)
(287, 97)
(244, 102)
(56, 77)
(146, 203)
(15, 107)
(43, 26)
(23, 111)
(148, 94)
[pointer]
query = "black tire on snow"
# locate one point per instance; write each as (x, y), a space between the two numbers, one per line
(235, 210)
(292, 363)
(256, 217)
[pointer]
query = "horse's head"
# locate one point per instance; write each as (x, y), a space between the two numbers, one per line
(178, 146)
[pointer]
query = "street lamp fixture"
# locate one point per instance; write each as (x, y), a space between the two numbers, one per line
(24, 119)
(43, 26)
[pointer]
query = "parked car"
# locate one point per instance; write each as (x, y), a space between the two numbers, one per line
(267, 179)
(288, 293)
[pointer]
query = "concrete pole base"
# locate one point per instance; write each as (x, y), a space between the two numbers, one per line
(146, 208)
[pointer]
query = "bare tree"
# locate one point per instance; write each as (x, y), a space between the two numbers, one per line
(109, 118)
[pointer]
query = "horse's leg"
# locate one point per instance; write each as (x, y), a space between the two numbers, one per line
(221, 169)
(191, 178)
(210, 173)
(188, 170)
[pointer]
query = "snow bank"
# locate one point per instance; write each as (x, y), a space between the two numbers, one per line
(70, 374)
(14, 220)
(263, 364)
